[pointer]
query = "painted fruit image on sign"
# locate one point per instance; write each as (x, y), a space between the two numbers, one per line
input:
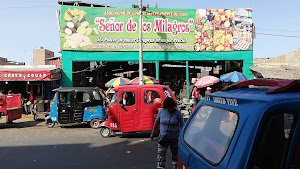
(223, 30)
(77, 29)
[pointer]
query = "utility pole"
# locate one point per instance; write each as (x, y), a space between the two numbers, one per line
(142, 8)
(141, 45)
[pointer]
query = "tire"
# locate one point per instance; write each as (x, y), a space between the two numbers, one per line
(50, 123)
(105, 132)
(95, 123)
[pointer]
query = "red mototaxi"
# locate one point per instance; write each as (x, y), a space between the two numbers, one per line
(138, 114)
(10, 106)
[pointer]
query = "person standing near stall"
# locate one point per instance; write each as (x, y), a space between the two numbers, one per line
(31, 100)
(195, 95)
(208, 91)
(170, 121)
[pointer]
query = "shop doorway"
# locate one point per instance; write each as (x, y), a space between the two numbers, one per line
(96, 74)
(172, 74)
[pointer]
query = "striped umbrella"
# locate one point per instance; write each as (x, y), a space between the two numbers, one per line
(233, 77)
(206, 81)
(115, 82)
(148, 80)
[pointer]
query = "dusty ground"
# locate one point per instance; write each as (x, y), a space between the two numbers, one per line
(28, 144)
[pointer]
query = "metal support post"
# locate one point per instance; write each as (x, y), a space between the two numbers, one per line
(187, 82)
(141, 45)
(157, 69)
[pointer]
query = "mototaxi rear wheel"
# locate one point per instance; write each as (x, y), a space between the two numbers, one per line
(95, 123)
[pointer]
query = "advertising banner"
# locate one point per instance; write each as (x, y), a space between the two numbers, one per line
(30, 75)
(117, 29)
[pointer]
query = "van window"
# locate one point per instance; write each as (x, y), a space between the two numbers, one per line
(151, 97)
(96, 95)
(114, 98)
(167, 92)
(54, 97)
(128, 98)
(274, 142)
(210, 132)
(296, 163)
(83, 97)
(64, 97)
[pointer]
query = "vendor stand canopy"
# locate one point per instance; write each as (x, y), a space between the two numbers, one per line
(30, 73)
(119, 81)
(206, 81)
(147, 80)
(233, 77)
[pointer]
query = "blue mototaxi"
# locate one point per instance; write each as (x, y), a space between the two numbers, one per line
(244, 127)
(76, 105)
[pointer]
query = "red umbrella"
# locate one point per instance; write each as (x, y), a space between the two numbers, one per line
(206, 81)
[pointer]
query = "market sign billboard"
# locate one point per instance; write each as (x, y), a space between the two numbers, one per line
(117, 29)
(42, 75)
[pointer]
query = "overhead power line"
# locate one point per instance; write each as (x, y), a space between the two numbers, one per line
(282, 30)
(15, 7)
(269, 34)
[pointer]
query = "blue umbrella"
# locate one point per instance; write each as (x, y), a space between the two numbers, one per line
(233, 77)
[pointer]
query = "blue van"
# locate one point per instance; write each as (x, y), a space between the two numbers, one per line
(76, 105)
(253, 124)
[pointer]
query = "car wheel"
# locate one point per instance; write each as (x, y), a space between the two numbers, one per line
(105, 132)
(95, 123)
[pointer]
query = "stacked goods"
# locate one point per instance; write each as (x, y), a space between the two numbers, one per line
(242, 39)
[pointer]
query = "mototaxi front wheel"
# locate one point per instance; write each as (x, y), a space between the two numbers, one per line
(105, 132)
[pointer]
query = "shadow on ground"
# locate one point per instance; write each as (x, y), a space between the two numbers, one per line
(23, 124)
(122, 155)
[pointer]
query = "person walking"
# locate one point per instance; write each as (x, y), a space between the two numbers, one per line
(170, 121)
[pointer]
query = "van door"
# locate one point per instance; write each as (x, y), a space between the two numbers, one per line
(129, 110)
(82, 99)
(150, 102)
(65, 107)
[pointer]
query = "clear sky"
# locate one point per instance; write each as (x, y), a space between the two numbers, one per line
(27, 24)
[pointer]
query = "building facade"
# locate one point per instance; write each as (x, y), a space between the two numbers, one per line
(41, 56)
(178, 44)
